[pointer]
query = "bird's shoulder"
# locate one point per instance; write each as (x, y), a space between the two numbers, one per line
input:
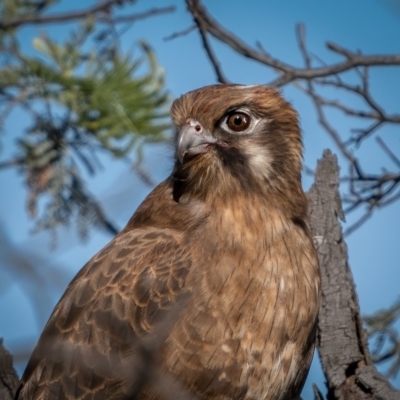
(142, 267)
(116, 299)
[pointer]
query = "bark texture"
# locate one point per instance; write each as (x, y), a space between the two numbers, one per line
(8, 376)
(342, 342)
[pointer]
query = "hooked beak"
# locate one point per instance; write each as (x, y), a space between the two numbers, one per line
(192, 140)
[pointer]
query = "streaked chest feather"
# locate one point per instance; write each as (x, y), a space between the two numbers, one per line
(265, 295)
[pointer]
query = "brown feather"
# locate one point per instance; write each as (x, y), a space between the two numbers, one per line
(212, 289)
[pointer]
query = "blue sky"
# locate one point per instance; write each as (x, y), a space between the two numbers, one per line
(372, 26)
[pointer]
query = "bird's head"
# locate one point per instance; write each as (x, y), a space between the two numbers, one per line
(236, 137)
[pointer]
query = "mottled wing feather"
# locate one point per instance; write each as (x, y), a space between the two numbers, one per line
(98, 329)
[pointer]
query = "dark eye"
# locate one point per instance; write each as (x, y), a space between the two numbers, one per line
(238, 121)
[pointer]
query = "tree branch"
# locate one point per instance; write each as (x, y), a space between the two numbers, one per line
(181, 33)
(101, 7)
(203, 27)
(289, 72)
(342, 342)
(64, 17)
(8, 376)
(136, 17)
(11, 163)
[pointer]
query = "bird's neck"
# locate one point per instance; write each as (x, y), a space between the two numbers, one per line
(212, 185)
(245, 220)
(236, 209)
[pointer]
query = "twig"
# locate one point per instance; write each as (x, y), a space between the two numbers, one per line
(365, 189)
(389, 152)
(289, 73)
(317, 393)
(101, 7)
(367, 215)
(65, 17)
(139, 16)
(181, 33)
(143, 175)
(11, 163)
(207, 47)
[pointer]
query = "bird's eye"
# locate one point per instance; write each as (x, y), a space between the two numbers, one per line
(238, 121)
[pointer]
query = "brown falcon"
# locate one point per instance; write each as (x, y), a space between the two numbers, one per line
(211, 291)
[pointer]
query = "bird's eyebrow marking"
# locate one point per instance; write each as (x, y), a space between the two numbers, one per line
(246, 86)
(243, 104)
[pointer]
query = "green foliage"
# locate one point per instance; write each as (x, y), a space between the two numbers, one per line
(80, 96)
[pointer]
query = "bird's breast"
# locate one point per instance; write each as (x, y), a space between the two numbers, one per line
(255, 303)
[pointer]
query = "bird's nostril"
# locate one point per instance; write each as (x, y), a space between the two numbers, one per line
(194, 124)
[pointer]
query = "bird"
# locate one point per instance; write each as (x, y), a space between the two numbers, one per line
(212, 289)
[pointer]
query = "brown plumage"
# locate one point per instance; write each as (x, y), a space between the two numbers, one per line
(212, 289)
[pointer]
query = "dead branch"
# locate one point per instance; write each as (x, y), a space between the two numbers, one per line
(181, 33)
(371, 191)
(8, 376)
(139, 16)
(288, 73)
(102, 7)
(342, 342)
